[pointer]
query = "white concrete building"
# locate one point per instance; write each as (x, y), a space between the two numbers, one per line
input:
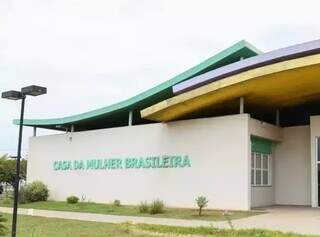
(244, 133)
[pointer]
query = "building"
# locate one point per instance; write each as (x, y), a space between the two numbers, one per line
(241, 128)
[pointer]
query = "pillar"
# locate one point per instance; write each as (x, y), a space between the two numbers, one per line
(278, 117)
(241, 105)
(130, 118)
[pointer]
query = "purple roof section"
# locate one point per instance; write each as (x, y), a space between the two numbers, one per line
(295, 51)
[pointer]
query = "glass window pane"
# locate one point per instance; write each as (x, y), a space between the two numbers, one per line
(252, 160)
(258, 177)
(258, 161)
(265, 177)
(252, 176)
(265, 161)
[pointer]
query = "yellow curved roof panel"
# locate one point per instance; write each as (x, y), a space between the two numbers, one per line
(282, 84)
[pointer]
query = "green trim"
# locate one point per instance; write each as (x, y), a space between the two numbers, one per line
(261, 145)
(227, 56)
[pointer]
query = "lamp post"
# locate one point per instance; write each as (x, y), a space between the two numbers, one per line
(20, 95)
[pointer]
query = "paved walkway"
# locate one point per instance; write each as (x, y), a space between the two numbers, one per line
(287, 219)
(303, 220)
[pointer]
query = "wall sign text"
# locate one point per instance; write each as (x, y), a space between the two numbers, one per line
(154, 162)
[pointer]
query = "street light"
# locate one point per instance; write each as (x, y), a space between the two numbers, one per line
(20, 95)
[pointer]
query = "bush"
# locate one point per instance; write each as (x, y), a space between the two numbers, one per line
(156, 207)
(201, 202)
(6, 201)
(36, 191)
(2, 227)
(8, 194)
(117, 203)
(143, 207)
(72, 199)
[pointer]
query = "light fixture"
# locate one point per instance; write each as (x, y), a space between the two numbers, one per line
(11, 95)
(34, 90)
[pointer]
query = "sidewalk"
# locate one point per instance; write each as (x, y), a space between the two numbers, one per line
(301, 220)
(114, 218)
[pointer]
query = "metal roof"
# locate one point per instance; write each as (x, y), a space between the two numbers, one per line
(117, 114)
(275, 56)
(281, 79)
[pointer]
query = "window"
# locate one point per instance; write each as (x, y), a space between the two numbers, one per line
(260, 169)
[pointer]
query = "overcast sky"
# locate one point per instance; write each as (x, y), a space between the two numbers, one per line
(92, 53)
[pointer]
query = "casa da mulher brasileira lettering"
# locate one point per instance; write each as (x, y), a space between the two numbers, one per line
(152, 162)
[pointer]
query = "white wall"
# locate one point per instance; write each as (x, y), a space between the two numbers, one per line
(291, 174)
(265, 130)
(292, 167)
(219, 149)
(315, 132)
(264, 196)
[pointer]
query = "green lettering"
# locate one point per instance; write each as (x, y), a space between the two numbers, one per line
(89, 164)
(147, 163)
(186, 162)
(177, 161)
(153, 165)
(134, 163)
(56, 165)
(119, 163)
(128, 163)
(165, 162)
(141, 163)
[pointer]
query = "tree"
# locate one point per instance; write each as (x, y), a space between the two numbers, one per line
(201, 202)
(8, 170)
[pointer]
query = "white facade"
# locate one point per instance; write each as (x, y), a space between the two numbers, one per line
(219, 150)
(292, 167)
(291, 162)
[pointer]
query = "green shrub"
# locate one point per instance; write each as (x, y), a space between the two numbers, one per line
(117, 203)
(72, 199)
(143, 207)
(201, 202)
(2, 227)
(156, 207)
(36, 191)
(6, 201)
(8, 194)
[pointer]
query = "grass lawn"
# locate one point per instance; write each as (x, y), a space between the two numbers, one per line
(178, 213)
(50, 227)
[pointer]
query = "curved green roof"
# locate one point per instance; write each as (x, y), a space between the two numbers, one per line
(117, 114)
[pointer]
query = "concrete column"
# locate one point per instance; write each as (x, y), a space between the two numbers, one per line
(72, 128)
(278, 118)
(241, 105)
(130, 118)
(34, 131)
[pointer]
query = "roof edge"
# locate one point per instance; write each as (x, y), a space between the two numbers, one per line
(278, 55)
(129, 103)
